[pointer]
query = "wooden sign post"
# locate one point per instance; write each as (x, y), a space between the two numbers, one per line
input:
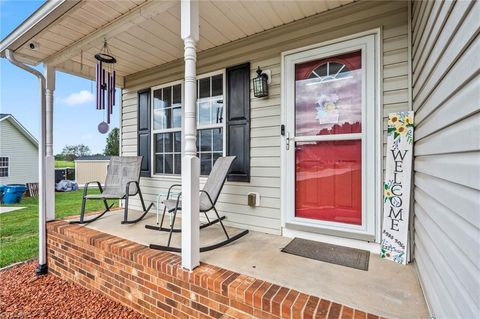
(397, 186)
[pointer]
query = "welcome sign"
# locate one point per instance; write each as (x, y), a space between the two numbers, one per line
(397, 185)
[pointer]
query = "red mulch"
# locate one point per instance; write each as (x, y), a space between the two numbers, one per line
(24, 295)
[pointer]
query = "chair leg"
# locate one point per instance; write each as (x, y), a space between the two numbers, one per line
(171, 226)
(106, 205)
(82, 210)
(82, 215)
(221, 223)
(125, 212)
(208, 219)
(163, 217)
(145, 209)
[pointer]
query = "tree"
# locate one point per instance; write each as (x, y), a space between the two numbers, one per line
(113, 143)
(71, 152)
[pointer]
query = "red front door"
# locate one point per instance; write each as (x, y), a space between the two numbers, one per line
(328, 170)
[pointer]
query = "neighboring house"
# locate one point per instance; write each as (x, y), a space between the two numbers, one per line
(91, 168)
(18, 152)
(319, 182)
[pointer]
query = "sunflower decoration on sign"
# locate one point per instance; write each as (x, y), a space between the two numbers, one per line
(401, 124)
(387, 191)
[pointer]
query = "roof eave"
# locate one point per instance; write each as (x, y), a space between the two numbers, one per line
(23, 130)
(30, 27)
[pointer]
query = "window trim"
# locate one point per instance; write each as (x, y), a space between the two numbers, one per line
(199, 127)
(8, 166)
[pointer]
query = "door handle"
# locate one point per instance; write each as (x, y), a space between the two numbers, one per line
(287, 141)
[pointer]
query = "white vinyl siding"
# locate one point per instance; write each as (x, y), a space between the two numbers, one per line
(22, 154)
(446, 94)
(264, 50)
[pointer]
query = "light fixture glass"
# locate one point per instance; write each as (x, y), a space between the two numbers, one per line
(260, 84)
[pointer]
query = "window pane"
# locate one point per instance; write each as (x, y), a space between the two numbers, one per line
(178, 163)
(168, 137)
(4, 172)
(177, 94)
(328, 181)
(167, 96)
(159, 164)
(204, 88)
(159, 117)
(217, 85)
(178, 142)
(204, 112)
(177, 116)
(328, 102)
(168, 164)
(217, 139)
(217, 111)
(205, 163)
(158, 143)
(216, 156)
(205, 140)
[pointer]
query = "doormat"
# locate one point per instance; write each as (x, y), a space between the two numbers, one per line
(339, 255)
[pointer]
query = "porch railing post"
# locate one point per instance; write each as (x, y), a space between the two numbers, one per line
(49, 73)
(190, 163)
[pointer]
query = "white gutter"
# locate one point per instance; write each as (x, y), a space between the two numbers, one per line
(42, 267)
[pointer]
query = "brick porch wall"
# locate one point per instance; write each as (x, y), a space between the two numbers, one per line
(153, 282)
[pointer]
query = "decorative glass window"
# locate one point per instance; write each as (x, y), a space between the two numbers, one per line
(167, 126)
(210, 120)
(330, 71)
(3, 166)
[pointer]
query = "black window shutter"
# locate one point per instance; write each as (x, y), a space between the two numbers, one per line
(143, 129)
(238, 121)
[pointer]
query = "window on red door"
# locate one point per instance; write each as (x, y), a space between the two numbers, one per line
(328, 101)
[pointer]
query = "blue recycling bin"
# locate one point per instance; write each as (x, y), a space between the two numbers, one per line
(13, 193)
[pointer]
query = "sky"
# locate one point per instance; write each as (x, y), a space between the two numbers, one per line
(75, 116)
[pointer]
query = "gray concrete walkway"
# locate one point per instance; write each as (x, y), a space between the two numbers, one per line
(5, 209)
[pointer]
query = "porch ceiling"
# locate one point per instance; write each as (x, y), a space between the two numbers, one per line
(146, 33)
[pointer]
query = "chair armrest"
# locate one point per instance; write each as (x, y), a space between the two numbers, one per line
(85, 187)
(170, 189)
(127, 190)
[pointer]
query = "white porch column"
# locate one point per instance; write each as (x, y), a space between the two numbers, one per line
(49, 73)
(190, 164)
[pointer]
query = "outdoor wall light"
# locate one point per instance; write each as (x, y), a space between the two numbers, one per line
(260, 84)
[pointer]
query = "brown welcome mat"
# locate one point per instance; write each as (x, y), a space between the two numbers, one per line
(339, 255)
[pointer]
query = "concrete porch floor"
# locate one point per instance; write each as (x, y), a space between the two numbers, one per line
(386, 289)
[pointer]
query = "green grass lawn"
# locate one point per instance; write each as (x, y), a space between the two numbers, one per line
(19, 229)
(64, 164)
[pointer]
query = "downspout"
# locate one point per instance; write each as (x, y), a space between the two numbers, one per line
(42, 267)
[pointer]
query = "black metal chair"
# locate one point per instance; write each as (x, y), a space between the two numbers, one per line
(122, 182)
(208, 198)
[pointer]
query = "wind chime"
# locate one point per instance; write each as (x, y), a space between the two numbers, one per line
(105, 80)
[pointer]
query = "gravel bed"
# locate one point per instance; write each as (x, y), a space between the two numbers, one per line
(24, 295)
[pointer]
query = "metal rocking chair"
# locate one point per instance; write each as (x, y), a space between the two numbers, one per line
(208, 198)
(122, 182)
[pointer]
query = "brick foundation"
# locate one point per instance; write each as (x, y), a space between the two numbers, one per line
(153, 282)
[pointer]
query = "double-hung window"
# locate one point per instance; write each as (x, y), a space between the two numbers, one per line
(167, 127)
(3, 166)
(167, 124)
(210, 120)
